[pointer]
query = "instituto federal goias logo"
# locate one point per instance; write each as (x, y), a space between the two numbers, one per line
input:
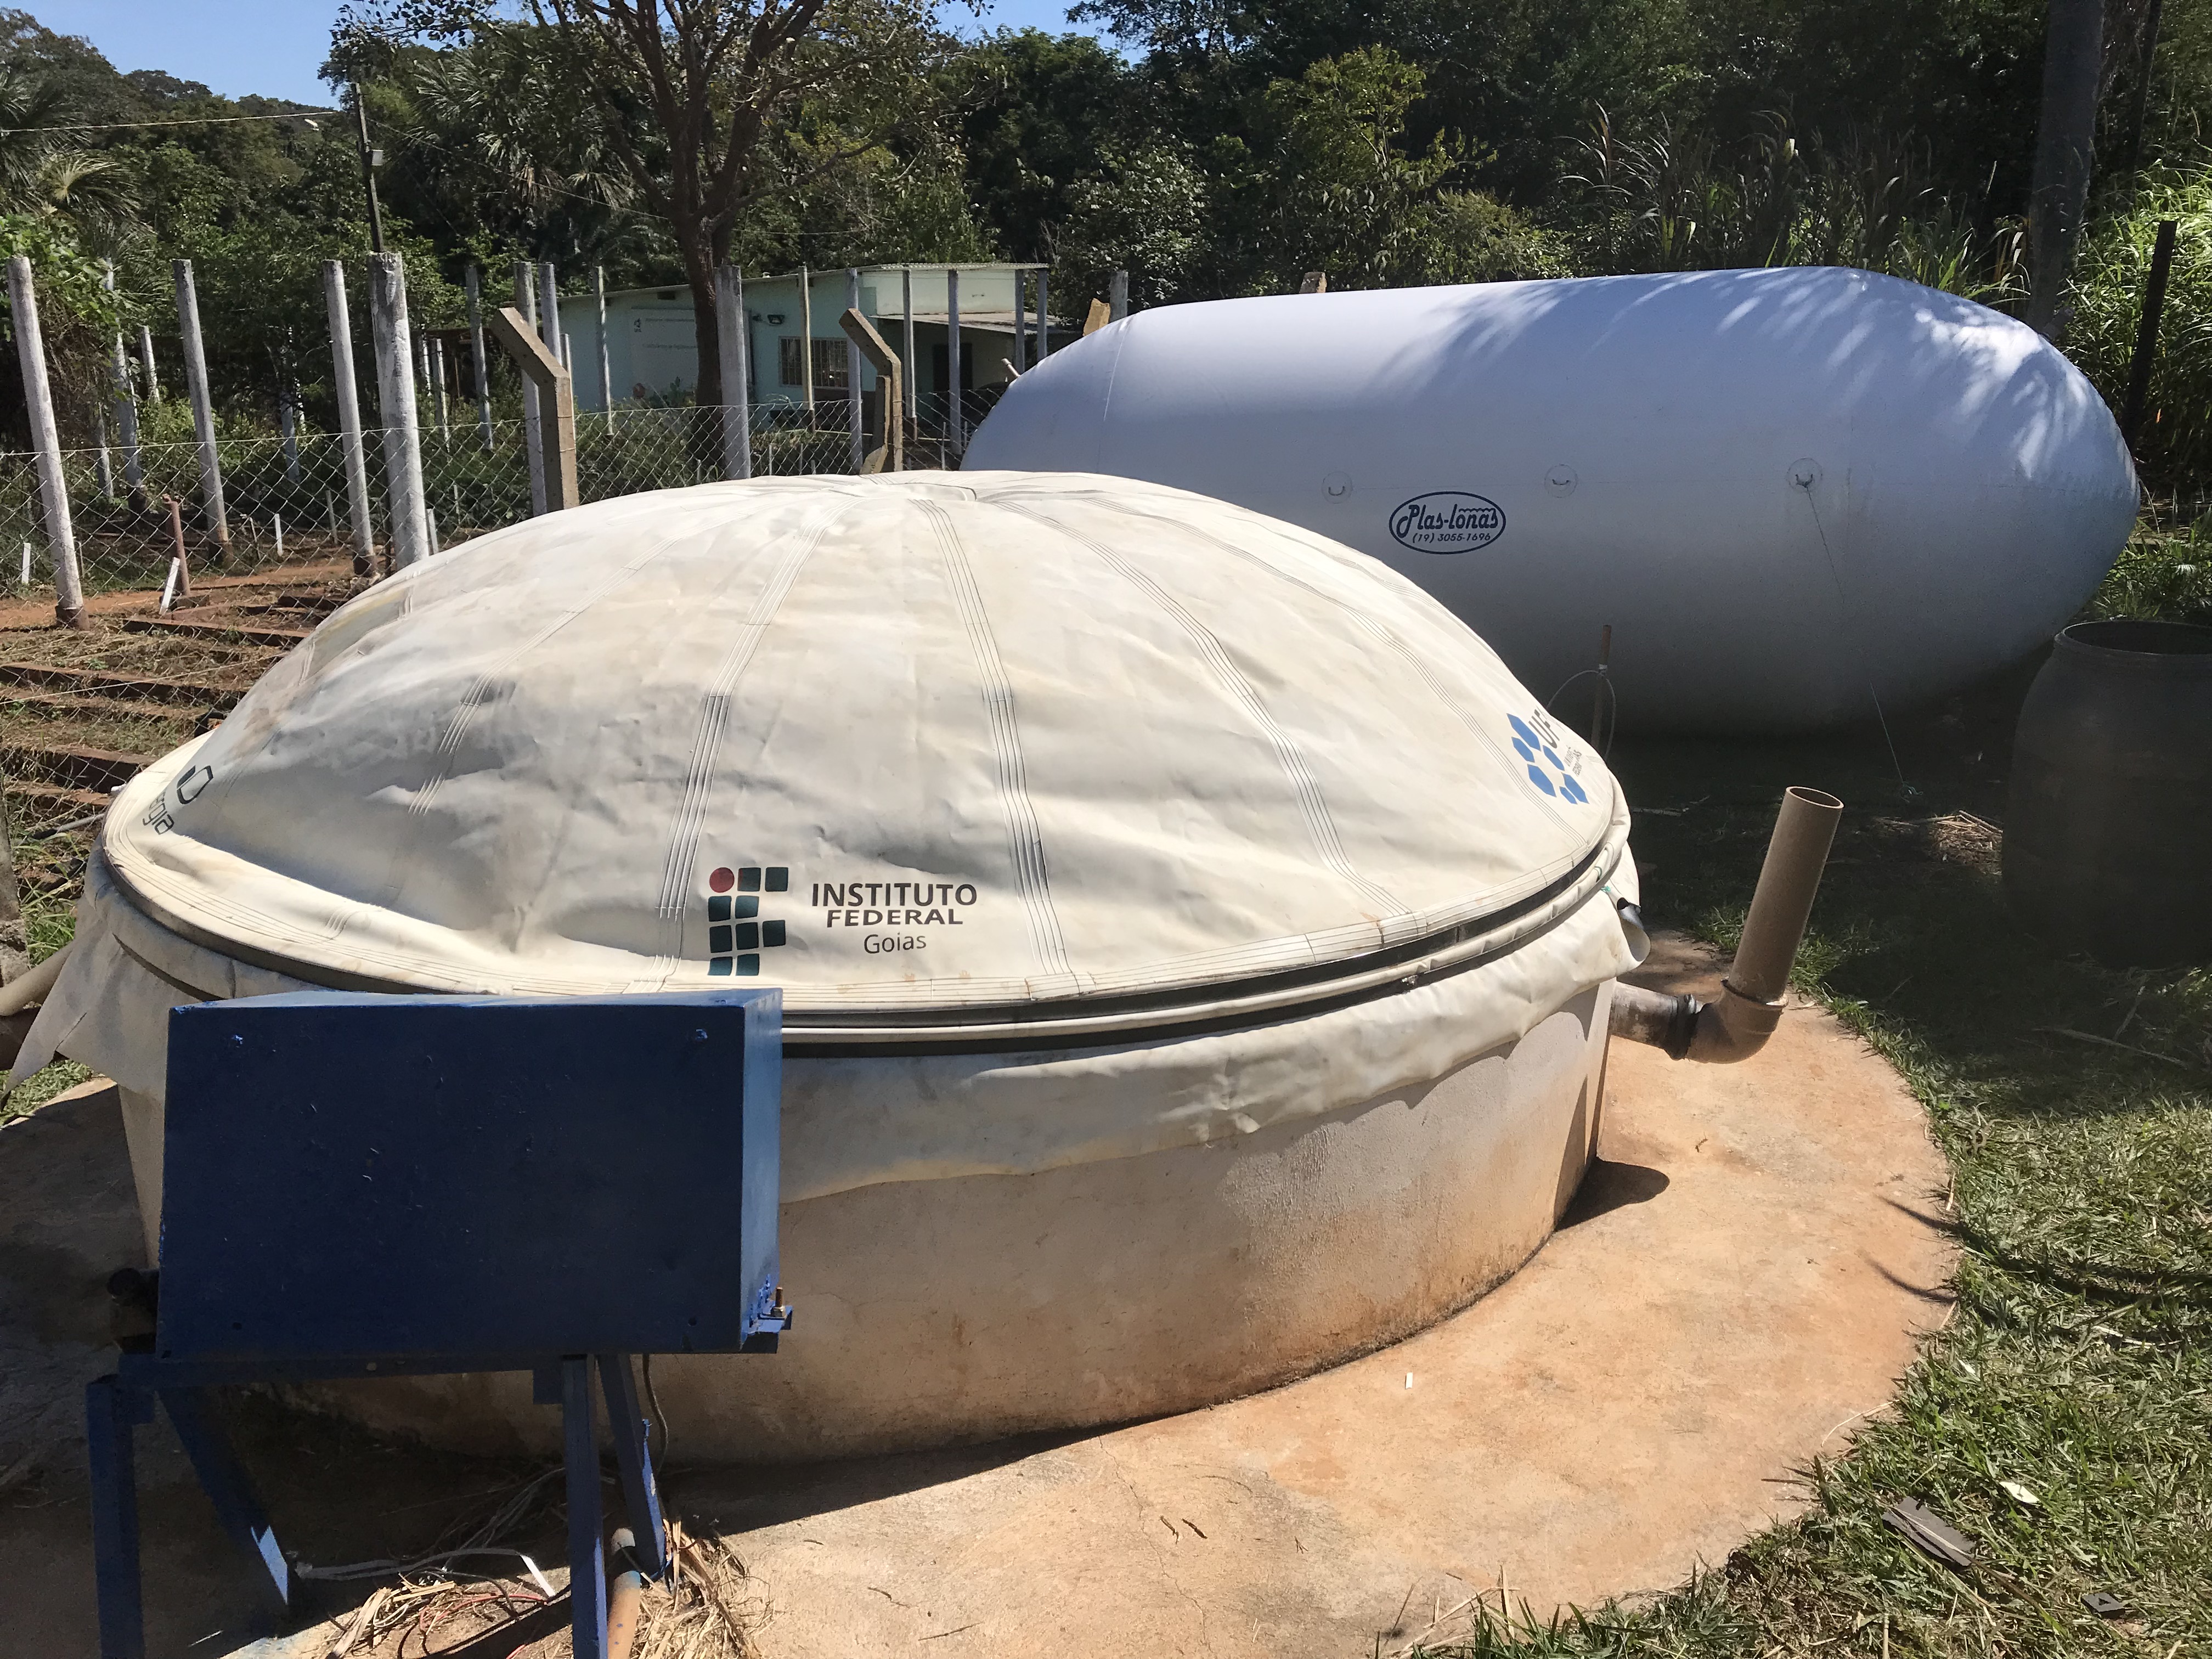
(1447, 522)
(736, 931)
(1538, 742)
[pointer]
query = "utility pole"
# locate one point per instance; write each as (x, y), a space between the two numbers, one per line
(369, 158)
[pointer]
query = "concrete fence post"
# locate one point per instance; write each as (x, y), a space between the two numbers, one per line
(349, 401)
(906, 286)
(533, 435)
(1044, 314)
(1021, 319)
(445, 405)
(392, 340)
(956, 408)
(855, 423)
(46, 441)
(196, 382)
(606, 359)
(104, 464)
(1117, 296)
(126, 425)
(549, 312)
(476, 354)
(146, 364)
(806, 340)
(730, 347)
(288, 431)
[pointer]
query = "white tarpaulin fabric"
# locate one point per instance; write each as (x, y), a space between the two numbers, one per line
(1194, 820)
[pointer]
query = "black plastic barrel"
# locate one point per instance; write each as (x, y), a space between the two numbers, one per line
(2108, 837)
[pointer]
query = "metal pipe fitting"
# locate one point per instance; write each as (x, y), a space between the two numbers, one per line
(1737, 1025)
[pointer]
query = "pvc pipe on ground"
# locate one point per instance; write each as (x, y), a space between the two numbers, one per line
(1750, 1005)
(29, 990)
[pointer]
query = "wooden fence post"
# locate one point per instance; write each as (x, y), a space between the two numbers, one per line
(391, 339)
(2146, 351)
(520, 340)
(349, 402)
(45, 438)
(861, 337)
(533, 425)
(476, 354)
(195, 382)
(731, 340)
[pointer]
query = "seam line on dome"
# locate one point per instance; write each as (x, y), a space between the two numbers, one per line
(1025, 838)
(707, 737)
(1321, 823)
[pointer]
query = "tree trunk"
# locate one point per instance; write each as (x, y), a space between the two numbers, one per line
(706, 327)
(2073, 58)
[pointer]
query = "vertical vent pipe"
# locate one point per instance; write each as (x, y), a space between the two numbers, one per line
(1738, 1025)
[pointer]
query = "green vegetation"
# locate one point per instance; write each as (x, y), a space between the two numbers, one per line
(1224, 148)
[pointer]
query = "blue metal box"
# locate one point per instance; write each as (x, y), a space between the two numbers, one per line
(480, 1177)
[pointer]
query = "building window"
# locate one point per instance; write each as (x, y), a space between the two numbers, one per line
(829, 363)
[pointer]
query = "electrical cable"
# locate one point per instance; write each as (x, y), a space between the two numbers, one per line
(1850, 622)
(1611, 723)
(193, 121)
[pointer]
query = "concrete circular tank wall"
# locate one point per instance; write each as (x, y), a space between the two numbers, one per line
(935, 1312)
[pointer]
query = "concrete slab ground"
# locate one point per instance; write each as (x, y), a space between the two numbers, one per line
(1740, 1282)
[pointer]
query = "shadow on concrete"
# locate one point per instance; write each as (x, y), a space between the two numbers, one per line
(1610, 1186)
(729, 1497)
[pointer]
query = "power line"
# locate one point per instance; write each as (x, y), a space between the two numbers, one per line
(194, 121)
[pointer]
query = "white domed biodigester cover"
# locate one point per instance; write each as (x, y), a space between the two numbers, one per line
(1102, 775)
(899, 743)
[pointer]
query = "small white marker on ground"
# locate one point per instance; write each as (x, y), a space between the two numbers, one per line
(1409, 1379)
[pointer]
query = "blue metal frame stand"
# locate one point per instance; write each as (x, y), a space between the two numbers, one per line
(116, 1404)
(410, 1160)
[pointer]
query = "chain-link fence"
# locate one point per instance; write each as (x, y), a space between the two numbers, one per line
(283, 499)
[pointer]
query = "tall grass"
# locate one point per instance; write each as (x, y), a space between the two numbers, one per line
(2174, 446)
(1664, 200)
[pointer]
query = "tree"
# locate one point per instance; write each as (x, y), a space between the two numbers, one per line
(695, 98)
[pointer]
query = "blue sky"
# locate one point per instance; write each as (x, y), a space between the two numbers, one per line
(274, 47)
